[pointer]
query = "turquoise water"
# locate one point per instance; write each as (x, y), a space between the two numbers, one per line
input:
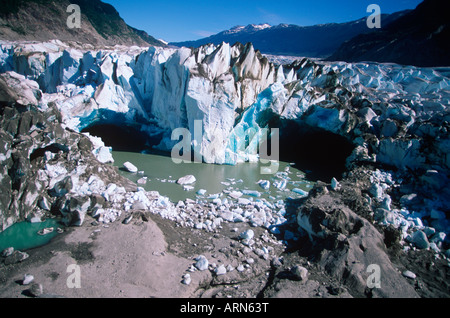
(162, 173)
(23, 235)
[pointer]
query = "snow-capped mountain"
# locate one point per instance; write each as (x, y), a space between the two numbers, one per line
(288, 39)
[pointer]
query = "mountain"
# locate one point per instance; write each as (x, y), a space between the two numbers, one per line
(43, 20)
(420, 38)
(288, 39)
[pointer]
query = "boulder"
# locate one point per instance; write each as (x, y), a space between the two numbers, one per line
(27, 279)
(201, 263)
(348, 244)
(16, 257)
(299, 273)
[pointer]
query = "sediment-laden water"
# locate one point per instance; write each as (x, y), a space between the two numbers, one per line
(162, 173)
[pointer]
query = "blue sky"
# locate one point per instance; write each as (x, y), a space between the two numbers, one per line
(182, 20)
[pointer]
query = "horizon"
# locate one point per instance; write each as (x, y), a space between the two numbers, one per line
(179, 21)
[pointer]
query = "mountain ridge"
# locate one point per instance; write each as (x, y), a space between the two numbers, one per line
(419, 38)
(318, 41)
(101, 24)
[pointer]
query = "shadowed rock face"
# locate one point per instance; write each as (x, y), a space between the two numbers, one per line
(426, 28)
(45, 20)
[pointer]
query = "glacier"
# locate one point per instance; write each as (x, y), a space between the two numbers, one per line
(235, 92)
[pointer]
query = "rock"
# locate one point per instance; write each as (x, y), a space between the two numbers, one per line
(186, 279)
(189, 179)
(202, 263)
(299, 273)
(276, 262)
(79, 204)
(409, 274)
(128, 219)
(16, 257)
(130, 167)
(62, 188)
(7, 252)
(36, 290)
(27, 279)
(44, 204)
(351, 244)
(220, 270)
(15, 87)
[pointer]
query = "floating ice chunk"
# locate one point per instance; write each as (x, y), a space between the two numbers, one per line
(130, 167)
(252, 193)
(244, 201)
(300, 191)
(201, 192)
(281, 184)
(265, 184)
(142, 180)
(235, 194)
(188, 188)
(189, 179)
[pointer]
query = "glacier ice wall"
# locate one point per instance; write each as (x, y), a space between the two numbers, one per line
(386, 110)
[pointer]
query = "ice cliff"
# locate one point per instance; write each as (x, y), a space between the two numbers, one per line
(160, 89)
